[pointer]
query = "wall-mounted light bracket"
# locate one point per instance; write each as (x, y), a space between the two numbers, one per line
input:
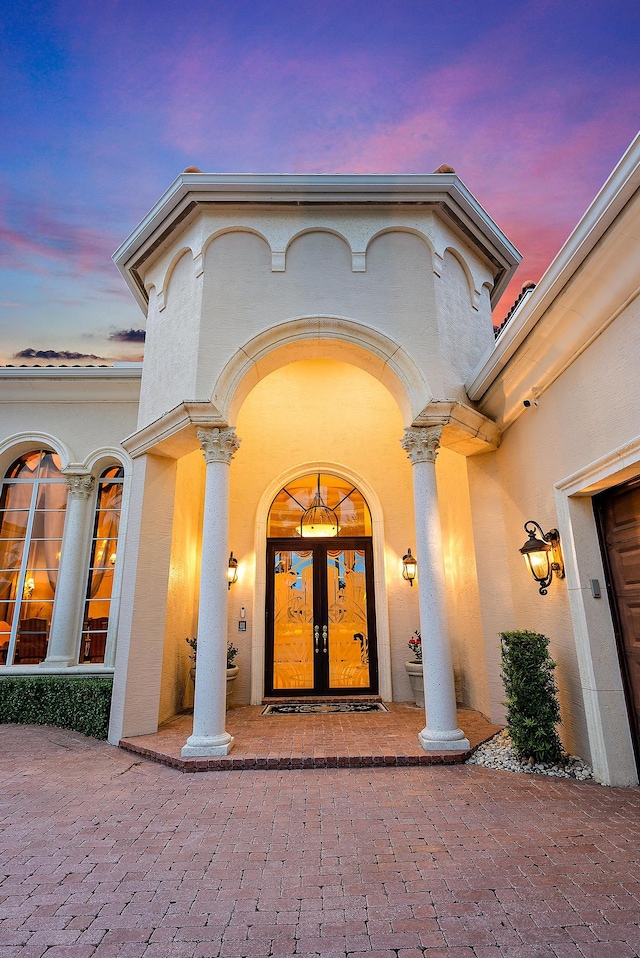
(232, 572)
(542, 555)
(409, 567)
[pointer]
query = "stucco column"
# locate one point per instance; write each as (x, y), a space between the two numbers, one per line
(72, 574)
(441, 730)
(210, 703)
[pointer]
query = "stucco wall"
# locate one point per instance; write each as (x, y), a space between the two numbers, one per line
(573, 425)
(184, 583)
(85, 416)
(171, 345)
(463, 600)
(208, 310)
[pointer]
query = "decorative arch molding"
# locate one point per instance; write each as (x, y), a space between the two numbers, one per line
(336, 337)
(100, 459)
(412, 230)
(14, 446)
(474, 286)
(260, 588)
(279, 231)
(198, 258)
(356, 265)
(162, 278)
(162, 287)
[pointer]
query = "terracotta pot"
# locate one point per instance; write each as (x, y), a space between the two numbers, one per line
(414, 671)
(232, 675)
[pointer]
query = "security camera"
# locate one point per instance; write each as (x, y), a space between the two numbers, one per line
(529, 402)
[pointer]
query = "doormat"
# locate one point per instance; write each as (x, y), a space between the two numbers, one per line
(322, 708)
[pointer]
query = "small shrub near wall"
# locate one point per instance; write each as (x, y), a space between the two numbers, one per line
(533, 712)
(82, 704)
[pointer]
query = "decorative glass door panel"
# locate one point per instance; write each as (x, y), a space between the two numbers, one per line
(320, 618)
(293, 640)
(348, 628)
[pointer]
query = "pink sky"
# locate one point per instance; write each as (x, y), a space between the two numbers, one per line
(532, 103)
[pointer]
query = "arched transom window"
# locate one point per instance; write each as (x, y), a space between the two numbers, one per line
(32, 512)
(319, 505)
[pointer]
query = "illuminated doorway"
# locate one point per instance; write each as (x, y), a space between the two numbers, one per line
(320, 615)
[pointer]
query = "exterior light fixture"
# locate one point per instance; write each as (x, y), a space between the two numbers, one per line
(542, 555)
(319, 521)
(232, 571)
(409, 567)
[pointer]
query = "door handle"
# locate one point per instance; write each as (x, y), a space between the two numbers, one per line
(316, 636)
(324, 639)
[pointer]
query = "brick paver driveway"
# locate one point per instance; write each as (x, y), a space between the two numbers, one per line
(103, 855)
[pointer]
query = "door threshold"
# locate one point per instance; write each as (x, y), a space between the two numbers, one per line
(318, 699)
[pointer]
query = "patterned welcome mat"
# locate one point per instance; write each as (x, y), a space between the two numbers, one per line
(322, 708)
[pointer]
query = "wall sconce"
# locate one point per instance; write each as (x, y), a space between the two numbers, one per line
(112, 559)
(29, 587)
(542, 555)
(409, 567)
(232, 571)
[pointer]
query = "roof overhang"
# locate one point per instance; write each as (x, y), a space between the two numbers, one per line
(443, 191)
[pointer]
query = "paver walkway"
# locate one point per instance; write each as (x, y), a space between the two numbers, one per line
(107, 855)
(313, 741)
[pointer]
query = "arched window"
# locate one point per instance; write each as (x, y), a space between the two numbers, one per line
(319, 505)
(32, 511)
(104, 546)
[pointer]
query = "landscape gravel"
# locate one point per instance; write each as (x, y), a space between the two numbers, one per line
(498, 753)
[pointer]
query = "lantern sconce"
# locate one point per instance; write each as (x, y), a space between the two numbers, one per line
(543, 555)
(232, 572)
(409, 567)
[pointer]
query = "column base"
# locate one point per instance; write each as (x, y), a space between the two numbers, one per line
(203, 745)
(57, 662)
(443, 740)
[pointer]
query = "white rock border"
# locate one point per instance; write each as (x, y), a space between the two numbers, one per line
(498, 753)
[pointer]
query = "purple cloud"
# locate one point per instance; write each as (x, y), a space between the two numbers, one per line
(56, 354)
(127, 336)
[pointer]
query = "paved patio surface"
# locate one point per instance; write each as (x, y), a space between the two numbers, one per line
(313, 741)
(107, 855)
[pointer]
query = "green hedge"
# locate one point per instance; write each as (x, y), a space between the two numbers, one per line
(82, 704)
(533, 711)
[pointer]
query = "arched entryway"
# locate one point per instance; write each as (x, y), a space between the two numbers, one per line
(320, 630)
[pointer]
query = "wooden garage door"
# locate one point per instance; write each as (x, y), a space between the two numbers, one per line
(618, 512)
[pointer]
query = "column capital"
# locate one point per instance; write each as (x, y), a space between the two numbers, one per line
(218, 445)
(421, 444)
(80, 484)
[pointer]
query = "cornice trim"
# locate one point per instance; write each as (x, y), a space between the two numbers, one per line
(189, 190)
(174, 434)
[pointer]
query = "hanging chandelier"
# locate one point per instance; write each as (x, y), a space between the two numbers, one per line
(319, 521)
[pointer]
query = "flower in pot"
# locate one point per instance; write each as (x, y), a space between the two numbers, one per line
(415, 645)
(414, 668)
(232, 670)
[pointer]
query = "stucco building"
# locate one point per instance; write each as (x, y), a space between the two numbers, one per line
(322, 394)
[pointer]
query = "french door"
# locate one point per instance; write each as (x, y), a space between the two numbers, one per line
(320, 620)
(618, 515)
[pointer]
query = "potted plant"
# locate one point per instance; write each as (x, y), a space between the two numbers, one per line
(232, 670)
(414, 668)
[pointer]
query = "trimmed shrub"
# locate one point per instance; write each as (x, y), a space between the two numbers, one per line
(82, 704)
(532, 696)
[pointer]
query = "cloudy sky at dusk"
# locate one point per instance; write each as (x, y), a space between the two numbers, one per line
(103, 104)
